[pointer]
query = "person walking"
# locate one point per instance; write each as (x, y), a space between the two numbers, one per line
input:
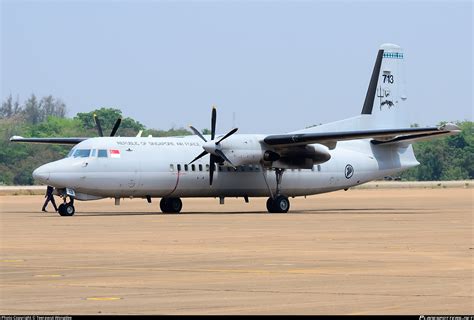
(49, 197)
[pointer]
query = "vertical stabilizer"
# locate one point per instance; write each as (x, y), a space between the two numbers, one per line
(385, 105)
(386, 96)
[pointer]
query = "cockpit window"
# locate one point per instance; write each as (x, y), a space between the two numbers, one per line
(93, 152)
(81, 153)
(71, 153)
(102, 153)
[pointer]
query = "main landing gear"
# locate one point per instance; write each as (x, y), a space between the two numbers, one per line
(66, 209)
(171, 205)
(278, 203)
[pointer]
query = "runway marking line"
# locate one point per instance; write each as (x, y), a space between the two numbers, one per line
(12, 260)
(48, 275)
(103, 298)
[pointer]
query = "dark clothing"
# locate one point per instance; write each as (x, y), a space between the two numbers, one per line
(49, 197)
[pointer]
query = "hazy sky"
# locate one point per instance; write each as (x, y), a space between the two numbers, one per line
(278, 65)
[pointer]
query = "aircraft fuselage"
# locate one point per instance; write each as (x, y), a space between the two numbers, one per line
(158, 167)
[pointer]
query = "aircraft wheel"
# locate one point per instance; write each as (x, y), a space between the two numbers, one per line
(280, 204)
(171, 205)
(270, 205)
(163, 203)
(61, 209)
(66, 210)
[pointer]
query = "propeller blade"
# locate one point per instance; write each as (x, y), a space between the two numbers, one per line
(97, 123)
(199, 156)
(196, 132)
(116, 126)
(213, 123)
(212, 164)
(223, 156)
(231, 132)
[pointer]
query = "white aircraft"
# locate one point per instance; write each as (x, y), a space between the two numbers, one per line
(319, 159)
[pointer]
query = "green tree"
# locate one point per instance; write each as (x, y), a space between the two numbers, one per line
(167, 133)
(32, 110)
(108, 117)
(6, 111)
(445, 158)
(52, 107)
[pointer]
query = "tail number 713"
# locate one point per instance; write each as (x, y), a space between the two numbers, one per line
(388, 78)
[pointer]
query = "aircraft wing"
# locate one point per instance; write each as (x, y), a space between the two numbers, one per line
(48, 140)
(379, 136)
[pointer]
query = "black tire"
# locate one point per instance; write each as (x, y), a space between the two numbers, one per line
(171, 205)
(66, 210)
(164, 205)
(61, 208)
(280, 204)
(270, 205)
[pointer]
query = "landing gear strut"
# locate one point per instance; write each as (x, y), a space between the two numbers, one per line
(66, 209)
(278, 203)
(171, 205)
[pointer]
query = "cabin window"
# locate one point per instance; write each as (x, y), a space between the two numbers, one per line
(102, 153)
(207, 167)
(171, 167)
(179, 167)
(193, 167)
(186, 167)
(82, 153)
(200, 167)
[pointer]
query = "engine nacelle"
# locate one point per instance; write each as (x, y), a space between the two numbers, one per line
(246, 150)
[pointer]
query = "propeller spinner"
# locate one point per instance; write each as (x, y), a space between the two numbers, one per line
(213, 147)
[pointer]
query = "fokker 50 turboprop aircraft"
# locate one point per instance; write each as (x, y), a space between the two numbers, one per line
(324, 158)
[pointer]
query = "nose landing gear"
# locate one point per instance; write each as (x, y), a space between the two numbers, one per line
(66, 209)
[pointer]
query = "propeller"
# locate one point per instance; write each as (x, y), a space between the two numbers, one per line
(213, 147)
(99, 127)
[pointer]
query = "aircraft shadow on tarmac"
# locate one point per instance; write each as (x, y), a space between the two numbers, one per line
(397, 211)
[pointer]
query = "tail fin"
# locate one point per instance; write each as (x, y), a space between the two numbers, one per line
(386, 95)
(385, 105)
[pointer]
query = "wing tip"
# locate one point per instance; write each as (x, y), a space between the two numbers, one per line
(449, 127)
(15, 138)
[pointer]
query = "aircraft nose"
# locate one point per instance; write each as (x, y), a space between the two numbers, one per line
(41, 175)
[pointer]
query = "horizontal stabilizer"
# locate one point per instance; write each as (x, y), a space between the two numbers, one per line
(448, 129)
(379, 135)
